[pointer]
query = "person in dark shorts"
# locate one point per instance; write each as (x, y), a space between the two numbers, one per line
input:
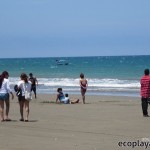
(34, 82)
(23, 87)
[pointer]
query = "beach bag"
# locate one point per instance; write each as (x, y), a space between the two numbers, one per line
(28, 96)
(18, 91)
(16, 88)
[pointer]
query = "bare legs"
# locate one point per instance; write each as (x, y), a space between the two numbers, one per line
(24, 104)
(83, 95)
(83, 98)
(21, 104)
(26, 109)
(7, 108)
(2, 110)
(34, 93)
(74, 101)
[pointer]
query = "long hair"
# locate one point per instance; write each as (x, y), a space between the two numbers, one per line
(2, 76)
(24, 77)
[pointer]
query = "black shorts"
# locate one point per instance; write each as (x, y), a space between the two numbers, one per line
(33, 88)
(21, 98)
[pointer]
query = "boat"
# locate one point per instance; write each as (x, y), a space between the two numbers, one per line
(61, 62)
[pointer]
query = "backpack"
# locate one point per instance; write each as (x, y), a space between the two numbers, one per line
(17, 90)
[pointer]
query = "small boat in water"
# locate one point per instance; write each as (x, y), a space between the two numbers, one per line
(61, 62)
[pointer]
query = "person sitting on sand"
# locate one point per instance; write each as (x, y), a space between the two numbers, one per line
(64, 98)
(71, 101)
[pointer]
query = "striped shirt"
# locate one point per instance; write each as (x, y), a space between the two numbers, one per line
(145, 86)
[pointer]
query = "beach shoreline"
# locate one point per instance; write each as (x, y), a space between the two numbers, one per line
(102, 122)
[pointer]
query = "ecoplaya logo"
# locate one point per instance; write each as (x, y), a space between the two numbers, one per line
(143, 143)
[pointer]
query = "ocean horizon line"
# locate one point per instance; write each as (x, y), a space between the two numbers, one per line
(85, 56)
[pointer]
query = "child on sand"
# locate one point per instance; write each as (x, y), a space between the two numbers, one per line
(71, 101)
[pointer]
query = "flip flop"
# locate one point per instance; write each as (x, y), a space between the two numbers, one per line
(7, 119)
(21, 119)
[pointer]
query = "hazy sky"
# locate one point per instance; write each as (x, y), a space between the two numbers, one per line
(47, 28)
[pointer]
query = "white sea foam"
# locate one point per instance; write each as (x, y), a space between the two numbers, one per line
(95, 86)
(99, 83)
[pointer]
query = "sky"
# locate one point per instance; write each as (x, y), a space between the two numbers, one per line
(58, 28)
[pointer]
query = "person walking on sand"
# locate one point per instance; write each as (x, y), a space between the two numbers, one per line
(83, 85)
(145, 92)
(34, 82)
(4, 95)
(25, 86)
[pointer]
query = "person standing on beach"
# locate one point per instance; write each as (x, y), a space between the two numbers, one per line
(34, 81)
(145, 92)
(4, 95)
(25, 86)
(83, 85)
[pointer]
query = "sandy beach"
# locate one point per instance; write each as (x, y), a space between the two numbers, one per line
(101, 123)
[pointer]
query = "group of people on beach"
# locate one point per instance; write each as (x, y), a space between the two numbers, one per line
(65, 98)
(26, 85)
(23, 91)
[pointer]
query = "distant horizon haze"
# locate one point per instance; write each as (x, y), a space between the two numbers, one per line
(41, 28)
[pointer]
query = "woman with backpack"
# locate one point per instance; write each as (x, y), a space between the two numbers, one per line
(25, 87)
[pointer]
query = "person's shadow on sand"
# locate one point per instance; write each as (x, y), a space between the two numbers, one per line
(32, 120)
(22, 121)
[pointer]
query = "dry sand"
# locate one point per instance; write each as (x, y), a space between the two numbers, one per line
(100, 124)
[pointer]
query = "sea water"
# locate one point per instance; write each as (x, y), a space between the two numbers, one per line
(106, 75)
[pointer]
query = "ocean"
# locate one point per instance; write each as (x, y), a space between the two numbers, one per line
(106, 75)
